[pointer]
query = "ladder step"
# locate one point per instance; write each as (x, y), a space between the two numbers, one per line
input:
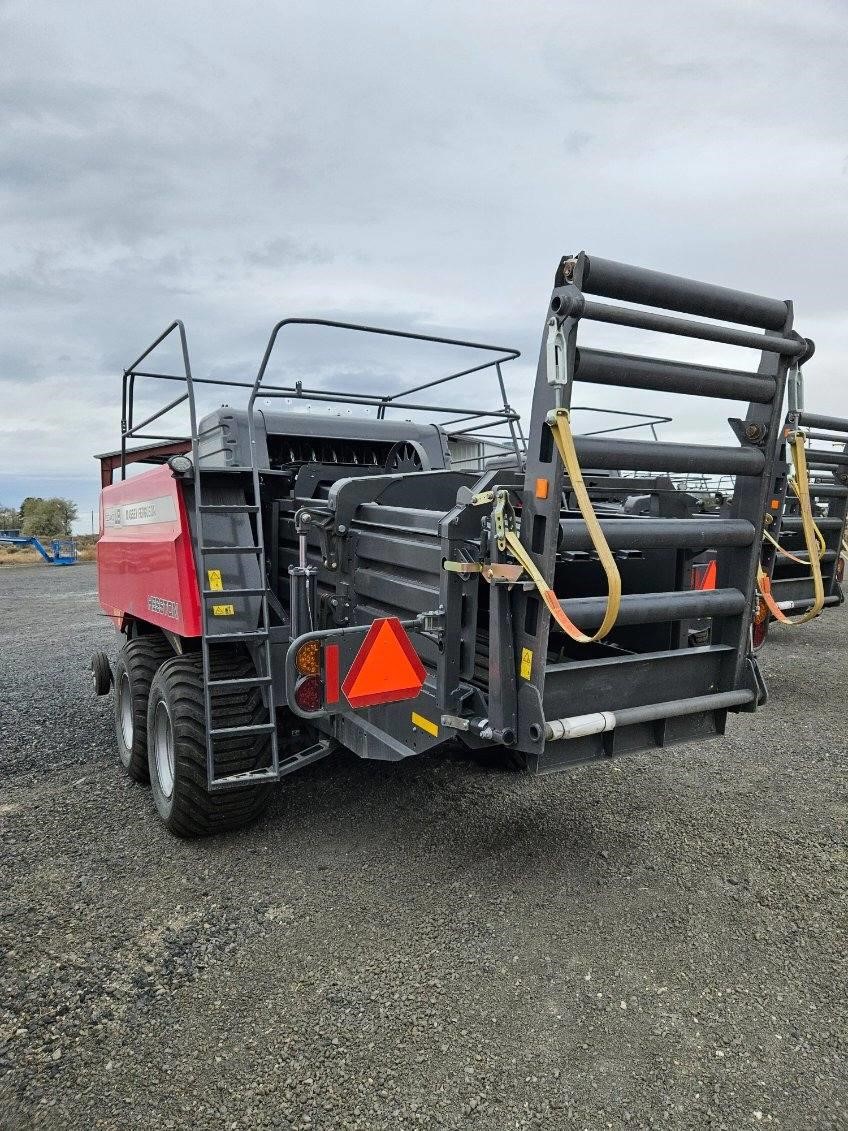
(253, 634)
(241, 681)
(306, 757)
(212, 472)
(255, 728)
(249, 777)
(234, 592)
(238, 469)
(242, 470)
(231, 549)
(228, 508)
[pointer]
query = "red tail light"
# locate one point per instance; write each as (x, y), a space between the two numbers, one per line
(308, 694)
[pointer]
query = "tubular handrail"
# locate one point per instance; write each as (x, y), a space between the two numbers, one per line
(645, 420)
(128, 428)
(506, 415)
(496, 417)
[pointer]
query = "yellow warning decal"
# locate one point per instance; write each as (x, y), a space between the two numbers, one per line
(526, 663)
(215, 580)
(223, 611)
(425, 724)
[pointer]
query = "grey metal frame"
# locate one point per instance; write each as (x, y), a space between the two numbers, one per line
(751, 462)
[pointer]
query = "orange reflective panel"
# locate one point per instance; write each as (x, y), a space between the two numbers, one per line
(386, 668)
(706, 577)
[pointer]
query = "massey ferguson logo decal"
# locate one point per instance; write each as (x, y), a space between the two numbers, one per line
(163, 607)
(142, 513)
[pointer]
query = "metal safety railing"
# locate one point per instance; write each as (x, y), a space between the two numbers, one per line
(639, 420)
(635, 420)
(487, 420)
(492, 419)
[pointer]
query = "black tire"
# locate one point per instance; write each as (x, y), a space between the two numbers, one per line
(136, 665)
(101, 673)
(176, 722)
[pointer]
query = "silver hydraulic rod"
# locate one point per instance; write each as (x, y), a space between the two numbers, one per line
(578, 726)
(303, 581)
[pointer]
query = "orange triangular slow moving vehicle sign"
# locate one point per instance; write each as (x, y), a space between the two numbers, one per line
(386, 668)
(708, 581)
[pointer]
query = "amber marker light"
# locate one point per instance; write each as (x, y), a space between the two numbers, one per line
(307, 659)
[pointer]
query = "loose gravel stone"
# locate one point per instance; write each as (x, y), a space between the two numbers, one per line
(657, 942)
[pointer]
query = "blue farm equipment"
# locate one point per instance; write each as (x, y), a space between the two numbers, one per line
(62, 552)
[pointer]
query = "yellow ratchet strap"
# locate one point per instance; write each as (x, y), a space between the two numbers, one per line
(812, 540)
(783, 551)
(793, 483)
(561, 427)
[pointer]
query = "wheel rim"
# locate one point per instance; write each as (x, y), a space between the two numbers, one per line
(127, 724)
(163, 748)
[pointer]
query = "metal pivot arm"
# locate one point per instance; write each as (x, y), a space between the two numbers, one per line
(555, 347)
(503, 685)
(303, 580)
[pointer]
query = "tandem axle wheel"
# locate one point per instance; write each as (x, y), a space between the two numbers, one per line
(101, 673)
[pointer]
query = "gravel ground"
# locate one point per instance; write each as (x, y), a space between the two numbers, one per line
(654, 942)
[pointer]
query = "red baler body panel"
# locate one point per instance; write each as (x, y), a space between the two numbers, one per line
(145, 556)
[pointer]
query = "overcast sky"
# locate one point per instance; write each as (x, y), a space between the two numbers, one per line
(417, 165)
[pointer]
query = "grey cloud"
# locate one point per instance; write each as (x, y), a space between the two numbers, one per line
(420, 168)
(16, 366)
(286, 251)
(577, 140)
